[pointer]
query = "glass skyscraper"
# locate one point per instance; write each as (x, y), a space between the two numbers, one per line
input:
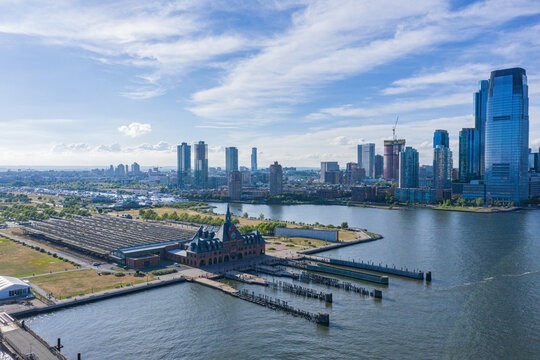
(480, 116)
(183, 153)
(231, 159)
(440, 137)
(408, 168)
(254, 159)
(507, 136)
(469, 160)
(366, 159)
(442, 167)
(200, 172)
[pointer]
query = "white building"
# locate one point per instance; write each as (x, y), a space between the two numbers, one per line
(13, 288)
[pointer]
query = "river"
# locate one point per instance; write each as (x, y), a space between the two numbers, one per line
(483, 302)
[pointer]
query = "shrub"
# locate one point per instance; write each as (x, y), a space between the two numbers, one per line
(119, 274)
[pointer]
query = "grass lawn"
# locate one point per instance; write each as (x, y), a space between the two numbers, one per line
(18, 261)
(301, 241)
(82, 282)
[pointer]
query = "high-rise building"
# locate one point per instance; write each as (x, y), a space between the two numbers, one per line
(254, 159)
(200, 172)
(392, 148)
(330, 173)
(135, 168)
(507, 136)
(366, 158)
(440, 137)
(231, 159)
(469, 159)
(480, 116)
(183, 168)
(408, 168)
(120, 171)
(276, 179)
(442, 167)
(235, 185)
(354, 173)
(379, 166)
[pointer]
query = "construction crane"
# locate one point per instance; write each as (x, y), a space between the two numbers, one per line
(394, 128)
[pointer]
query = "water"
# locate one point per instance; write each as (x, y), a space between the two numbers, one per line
(483, 303)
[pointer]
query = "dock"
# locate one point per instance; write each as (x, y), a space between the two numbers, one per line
(277, 304)
(347, 286)
(20, 342)
(266, 301)
(245, 278)
(347, 273)
(216, 285)
(275, 271)
(412, 274)
(300, 290)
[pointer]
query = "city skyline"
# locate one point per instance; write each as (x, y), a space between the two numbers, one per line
(144, 92)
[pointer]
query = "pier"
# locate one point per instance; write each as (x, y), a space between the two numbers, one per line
(412, 274)
(275, 271)
(20, 342)
(318, 279)
(348, 273)
(277, 304)
(245, 278)
(302, 291)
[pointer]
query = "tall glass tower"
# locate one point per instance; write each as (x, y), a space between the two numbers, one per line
(507, 136)
(480, 115)
(469, 161)
(366, 158)
(408, 168)
(200, 172)
(231, 159)
(442, 167)
(254, 159)
(440, 137)
(183, 153)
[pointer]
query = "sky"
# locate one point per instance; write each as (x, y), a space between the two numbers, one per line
(94, 83)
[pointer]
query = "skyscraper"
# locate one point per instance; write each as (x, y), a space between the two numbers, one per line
(440, 137)
(507, 136)
(379, 166)
(135, 168)
(408, 168)
(366, 158)
(276, 179)
(392, 148)
(183, 170)
(231, 159)
(469, 159)
(235, 185)
(254, 159)
(201, 164)
(480, 116)
(442, 167)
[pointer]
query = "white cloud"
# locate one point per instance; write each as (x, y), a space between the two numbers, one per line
(135, 129)
(109, 148)
(328, 43)
(81, 147)
(161, 146)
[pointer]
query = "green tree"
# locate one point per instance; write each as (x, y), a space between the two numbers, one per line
(344, 225)
(479, 202)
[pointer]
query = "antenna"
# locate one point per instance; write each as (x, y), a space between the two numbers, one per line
(394, 128)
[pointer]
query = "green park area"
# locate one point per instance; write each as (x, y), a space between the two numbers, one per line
(18, 260)
(81, 282)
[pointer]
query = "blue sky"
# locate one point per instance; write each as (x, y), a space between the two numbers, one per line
(96, 82)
